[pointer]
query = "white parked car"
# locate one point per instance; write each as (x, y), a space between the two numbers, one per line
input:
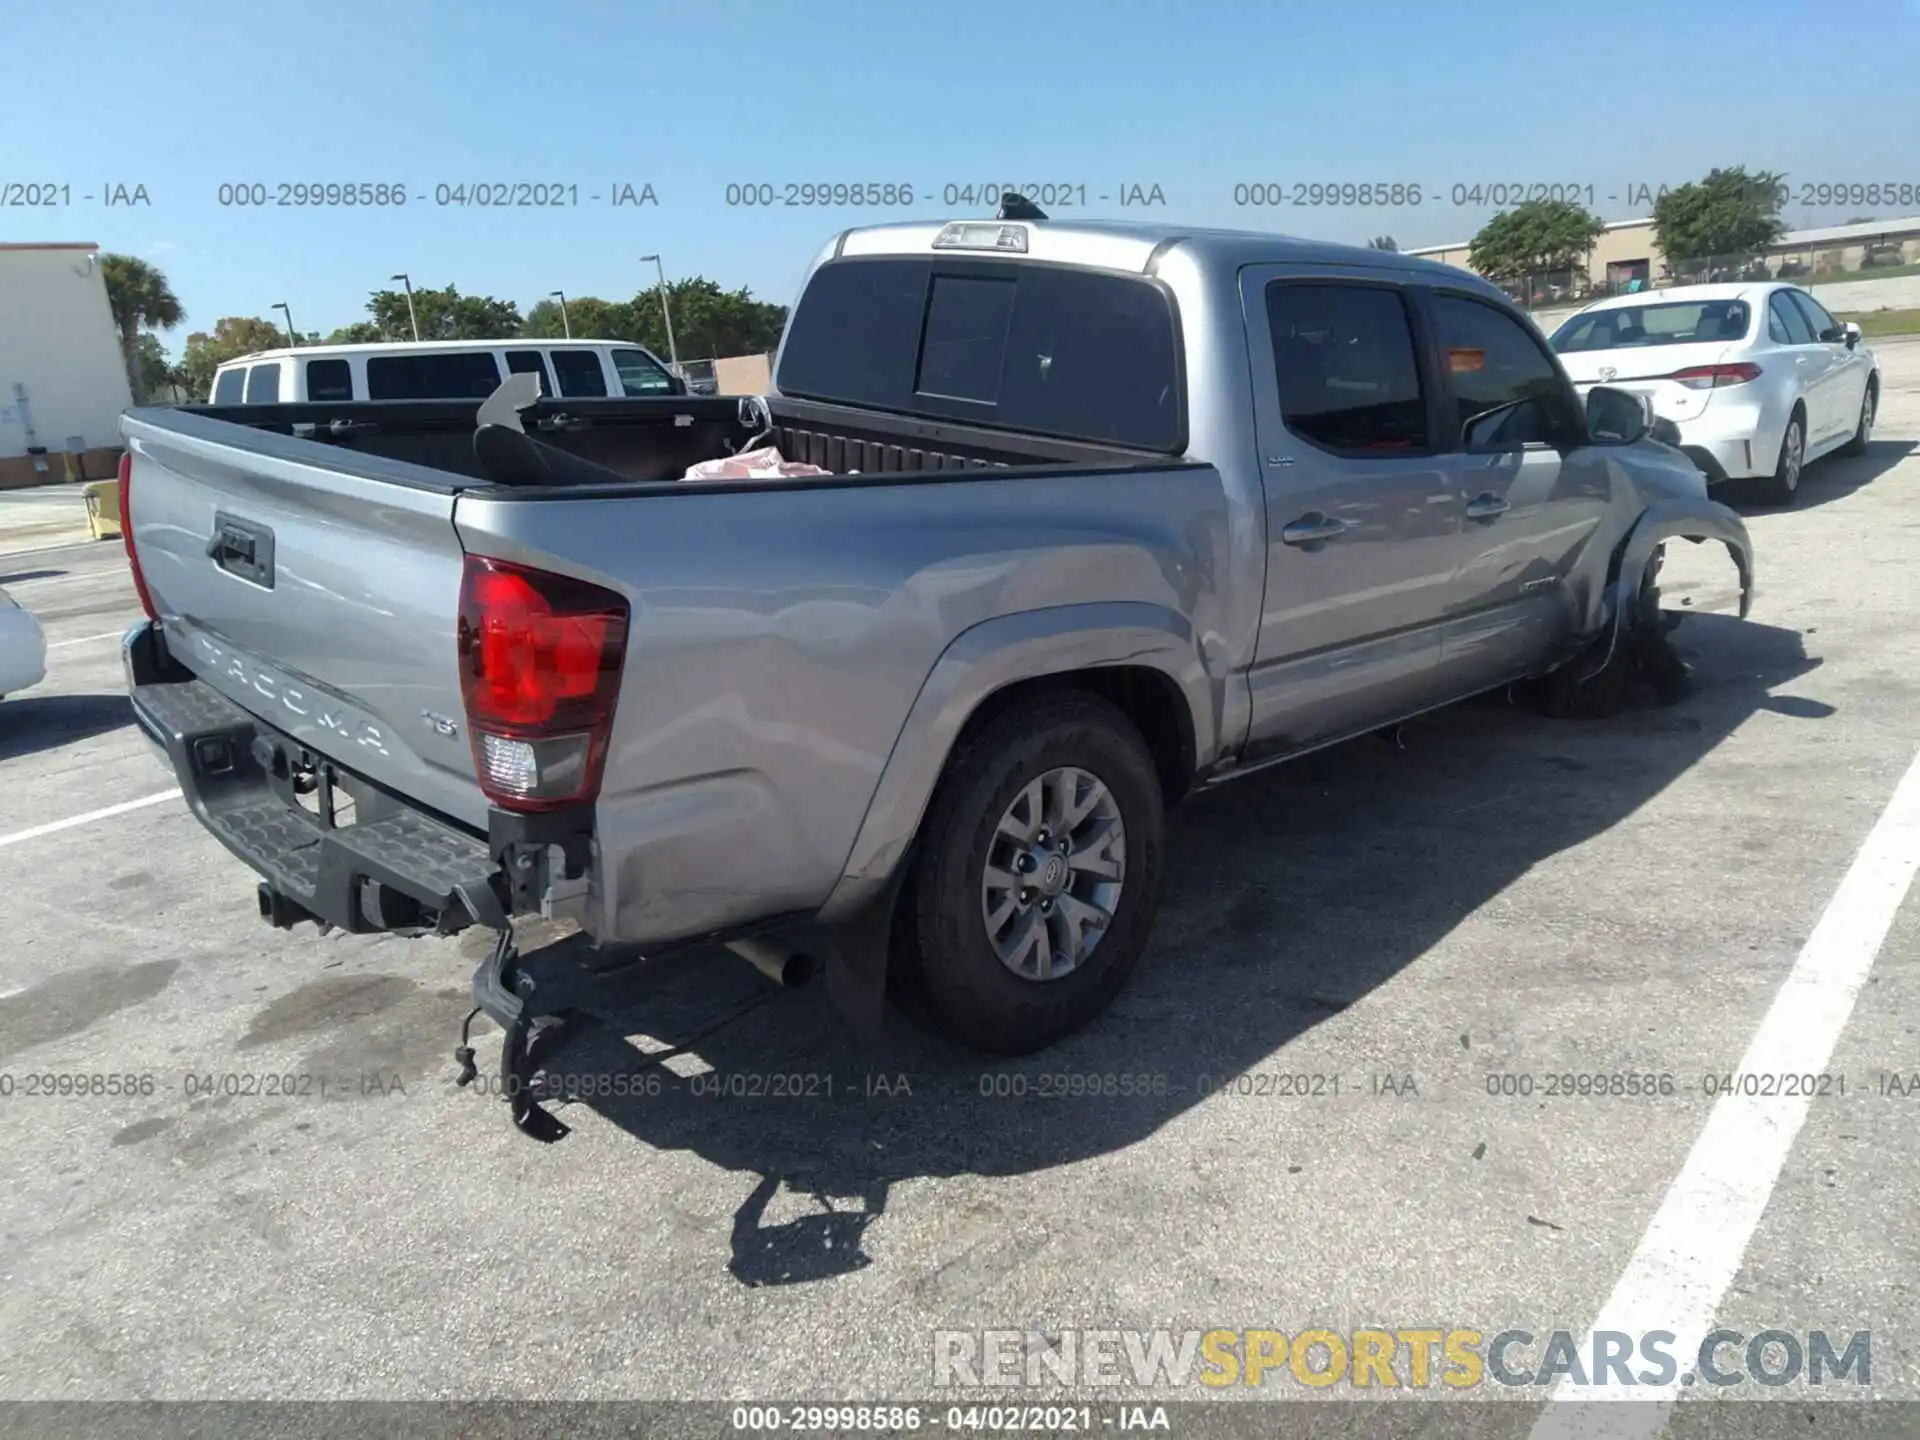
(23, 648)
(1758, 377)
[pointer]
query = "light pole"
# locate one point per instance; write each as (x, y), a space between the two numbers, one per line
(412, 320)
(565, 324)
(293, 336)
(666, 311)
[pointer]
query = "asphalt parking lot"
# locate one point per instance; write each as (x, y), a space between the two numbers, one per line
(1504, 896)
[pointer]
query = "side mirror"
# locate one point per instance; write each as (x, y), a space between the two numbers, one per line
(1617, 417)
(1852, 332)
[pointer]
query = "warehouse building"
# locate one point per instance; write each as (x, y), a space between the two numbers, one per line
(63, 383)
(1627, 256)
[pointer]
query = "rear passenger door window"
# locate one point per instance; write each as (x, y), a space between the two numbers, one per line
(579, 374)
(1345, 362)
(329, 380)
(263, 384)
(455, 375)
(530, 362)
(1506, 390)
(1799, 332)
(1818, 320)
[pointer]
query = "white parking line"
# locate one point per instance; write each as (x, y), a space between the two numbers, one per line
(1694, 1247)
(86, 639)
(53, 828)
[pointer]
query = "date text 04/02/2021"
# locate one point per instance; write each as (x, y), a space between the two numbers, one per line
(463, 194)
(886, 194)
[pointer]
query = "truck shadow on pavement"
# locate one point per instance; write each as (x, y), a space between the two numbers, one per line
(1289, 896)
(31, 723)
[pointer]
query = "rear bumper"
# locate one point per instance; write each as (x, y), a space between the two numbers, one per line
(1736, 439)
(407, 870)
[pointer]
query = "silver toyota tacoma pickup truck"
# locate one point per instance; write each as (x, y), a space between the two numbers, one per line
(1114, 513)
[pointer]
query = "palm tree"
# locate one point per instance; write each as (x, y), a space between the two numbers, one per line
(141, 300)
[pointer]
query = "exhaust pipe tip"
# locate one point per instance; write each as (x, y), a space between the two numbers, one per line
(782, 964)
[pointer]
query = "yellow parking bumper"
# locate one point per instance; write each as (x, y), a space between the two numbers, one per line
(103, 509)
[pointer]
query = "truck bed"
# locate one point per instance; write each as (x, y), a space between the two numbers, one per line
(653, 440)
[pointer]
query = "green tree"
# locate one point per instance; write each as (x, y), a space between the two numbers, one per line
(1383, 242)
(1731, 212)
(543, 321)
(361, 332)
(1535, 238)
(141, 300)
(156, 371)
(443, 315)
(708, 322)
(593, 319)
(232, 337)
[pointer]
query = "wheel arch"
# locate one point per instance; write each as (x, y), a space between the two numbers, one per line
(1141, 657)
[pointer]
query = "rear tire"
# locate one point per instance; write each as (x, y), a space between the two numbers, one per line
(986, 799)
(1869, 408)
(1780, 487)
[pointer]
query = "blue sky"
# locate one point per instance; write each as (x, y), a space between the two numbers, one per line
(1193, 97)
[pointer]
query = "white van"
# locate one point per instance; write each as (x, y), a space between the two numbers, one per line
(441, 370)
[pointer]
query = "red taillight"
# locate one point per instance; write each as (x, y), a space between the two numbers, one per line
(1712, 377)
(540, 659)
(126, 534)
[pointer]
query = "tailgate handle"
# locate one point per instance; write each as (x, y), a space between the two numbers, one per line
(229, 543)
(242, 548)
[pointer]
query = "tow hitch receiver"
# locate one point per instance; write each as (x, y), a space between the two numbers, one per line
(502, 991)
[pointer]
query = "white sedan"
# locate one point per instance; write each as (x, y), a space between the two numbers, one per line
(23, 649)
(1758, 377)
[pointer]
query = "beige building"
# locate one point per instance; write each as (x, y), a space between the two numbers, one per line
(1627, 251)
(63, 383)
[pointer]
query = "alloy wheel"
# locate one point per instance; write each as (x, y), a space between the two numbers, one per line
(1056, 866)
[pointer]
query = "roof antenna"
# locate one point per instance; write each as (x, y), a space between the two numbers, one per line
(1015, 206)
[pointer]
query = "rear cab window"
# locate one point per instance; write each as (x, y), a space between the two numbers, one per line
(1047, 350)
(455, 375)
(230, 387)
(1344, 359)
(579, 374)
(263, 384)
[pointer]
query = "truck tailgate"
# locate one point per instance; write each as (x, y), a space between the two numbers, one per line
(320, 594)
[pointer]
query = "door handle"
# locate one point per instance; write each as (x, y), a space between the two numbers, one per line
(1487, 507)
(1313, 528)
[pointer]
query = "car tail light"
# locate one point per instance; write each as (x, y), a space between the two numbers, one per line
(126, 534)
(540, 658)
(1714, 377)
